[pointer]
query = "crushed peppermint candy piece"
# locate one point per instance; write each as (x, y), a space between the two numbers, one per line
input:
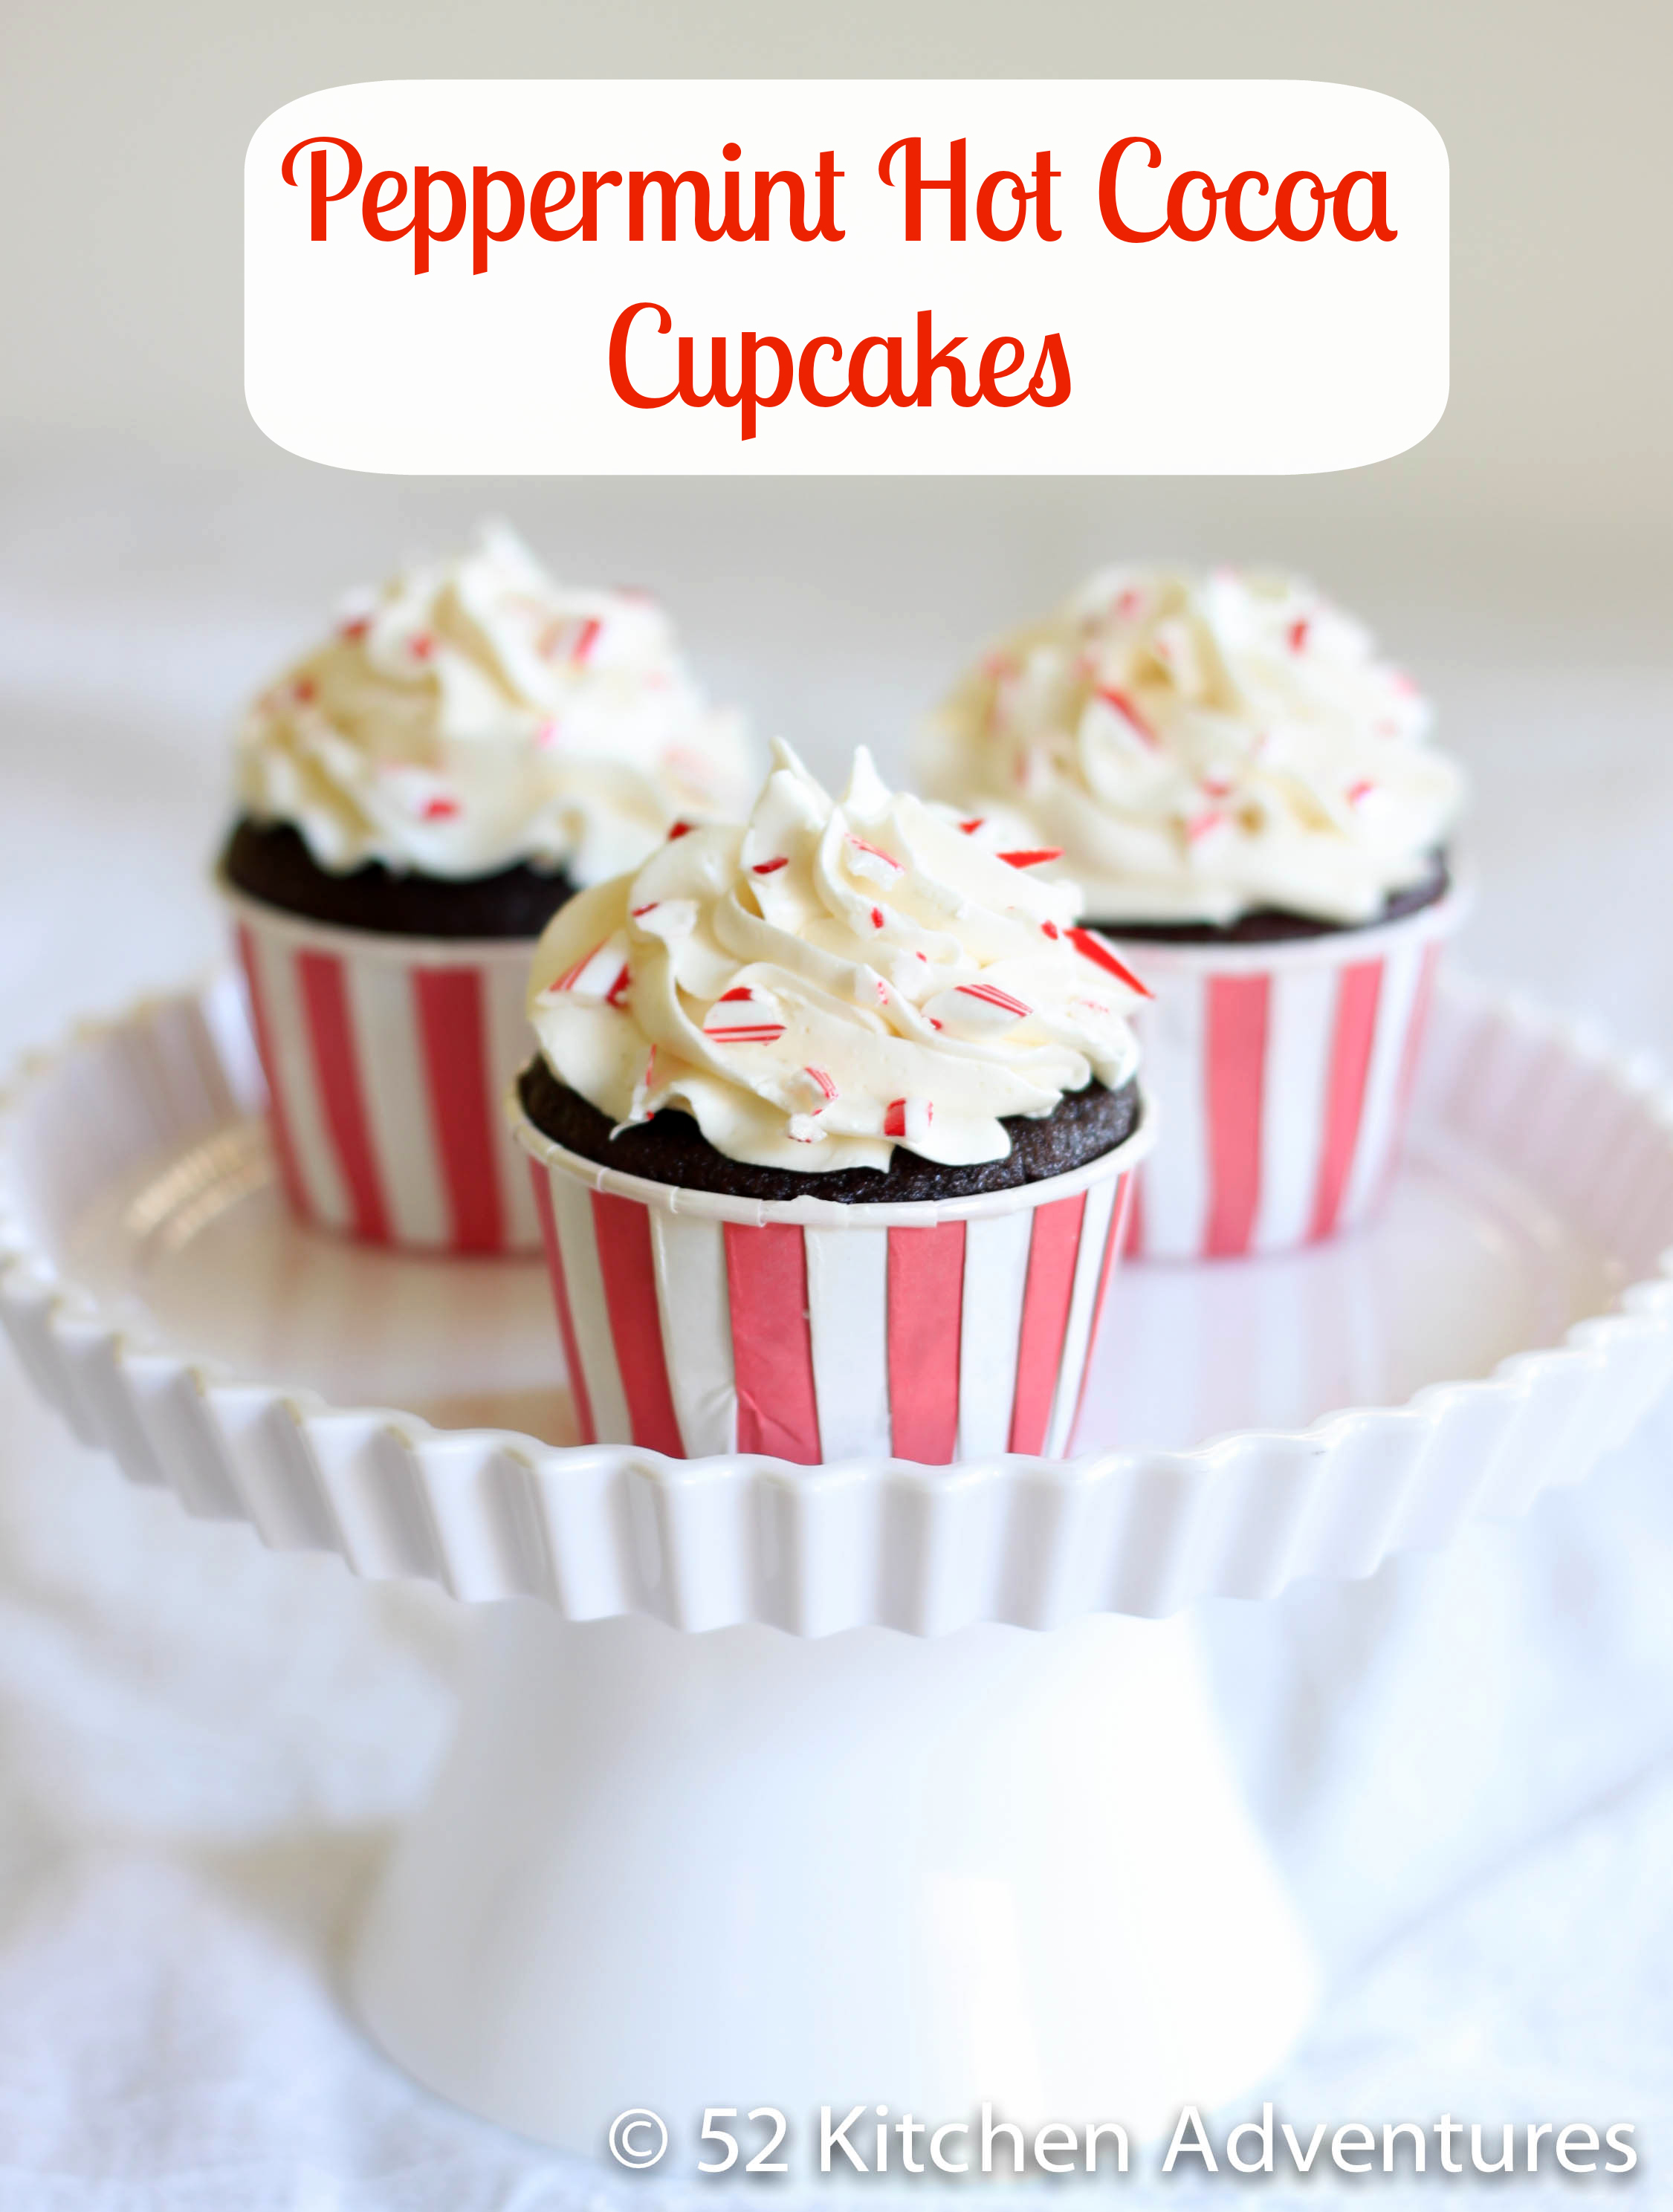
(304, 690)
(735, 1029)
(1092, 948)
(976, 1009)
(1359, 792)
(1204, 824)
(812, 1089)
(681, 829)
(601, 974)
(909, 1118)
(877, 917)
(871, 861)
(974, 822)
(770, 867)
(423, 647)
(439, 809)
(1297, 634)
(1035, 859)
(1120, 704)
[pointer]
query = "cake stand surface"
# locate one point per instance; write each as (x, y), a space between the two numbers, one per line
(737, 1866)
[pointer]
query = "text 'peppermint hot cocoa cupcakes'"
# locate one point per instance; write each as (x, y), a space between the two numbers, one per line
(1247, 797)
(416, 795)
(833, 1120)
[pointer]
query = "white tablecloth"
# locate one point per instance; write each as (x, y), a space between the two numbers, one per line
(1463, 1764)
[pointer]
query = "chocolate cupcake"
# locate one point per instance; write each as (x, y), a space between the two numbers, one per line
(834, 1114)
(416, 796)
(1247, 798)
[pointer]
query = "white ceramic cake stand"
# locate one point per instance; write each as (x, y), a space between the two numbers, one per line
(913, 1852)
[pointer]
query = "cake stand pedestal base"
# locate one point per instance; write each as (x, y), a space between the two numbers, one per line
(741, 1869)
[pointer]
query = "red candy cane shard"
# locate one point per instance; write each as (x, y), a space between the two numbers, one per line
(1360, 791)
(740, 1032)
(1094, 949)
(991, 995)
(974, 822)
(876, 852)
(877, 917)
(770, 867)
(614, 996)
(1051, 929)
(1129, 713)
(822, 1077)
(440, 810)
(1036, 858)
(649, 907)
(587, 638)
(909, 1118)
(678, 830)
(421, 647)
(599, 974)
(1299, 635)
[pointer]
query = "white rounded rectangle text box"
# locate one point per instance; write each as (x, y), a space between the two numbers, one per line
(813, 276)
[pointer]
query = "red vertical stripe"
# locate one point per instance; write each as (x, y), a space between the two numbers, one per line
(623, 1228)
(1236, 1074)
(1357, 989)
(278, 1122)
(1417, 1024)
(1053, 1248)
(566, 1323)
(772, 1348)
(926, 1306)
(1116, 1241)
(451, 1021)
(330, 1031)
(1135, 1243)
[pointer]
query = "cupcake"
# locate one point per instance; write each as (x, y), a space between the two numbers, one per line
(415, 797)
(833, 1119)
(1247, 798)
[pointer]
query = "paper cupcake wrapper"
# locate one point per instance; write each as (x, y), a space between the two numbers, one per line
(696, 1324)
(1285, 1071)
(385, 1059)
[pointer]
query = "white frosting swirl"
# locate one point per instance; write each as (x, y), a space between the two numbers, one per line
(1203, 747)
(474, 715)
(830, 979)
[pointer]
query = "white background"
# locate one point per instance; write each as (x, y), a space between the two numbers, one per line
(1467, 1764)
(1209, 356)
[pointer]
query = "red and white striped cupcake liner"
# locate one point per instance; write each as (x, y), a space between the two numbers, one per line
(1284, 1072)
(386, 1060)
(695, 1323)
